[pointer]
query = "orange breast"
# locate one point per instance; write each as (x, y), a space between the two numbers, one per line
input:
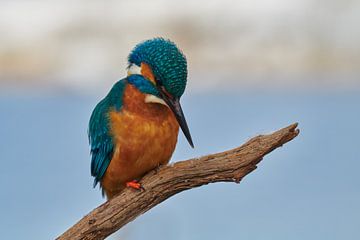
(145, 136)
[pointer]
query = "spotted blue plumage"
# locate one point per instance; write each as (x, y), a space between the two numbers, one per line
(100, 139)
(167, 62)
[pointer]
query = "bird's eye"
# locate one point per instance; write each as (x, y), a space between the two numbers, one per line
(159, 82)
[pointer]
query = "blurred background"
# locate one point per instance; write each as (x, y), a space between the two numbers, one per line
(254, 66)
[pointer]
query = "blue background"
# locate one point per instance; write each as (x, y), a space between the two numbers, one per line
(308, 189)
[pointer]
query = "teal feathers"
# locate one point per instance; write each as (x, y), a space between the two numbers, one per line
(143, 85)
(101, 143)
(167, 62)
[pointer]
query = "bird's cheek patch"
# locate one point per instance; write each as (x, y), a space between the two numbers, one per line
(147, 72)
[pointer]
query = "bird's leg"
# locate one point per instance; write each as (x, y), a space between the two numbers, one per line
(134, 184)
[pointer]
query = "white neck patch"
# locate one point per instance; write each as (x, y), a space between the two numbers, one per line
(134, 69)
(154, 99)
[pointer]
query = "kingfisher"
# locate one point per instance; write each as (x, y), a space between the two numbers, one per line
(134, 129)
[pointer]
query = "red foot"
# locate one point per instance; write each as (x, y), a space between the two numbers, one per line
(134, 184)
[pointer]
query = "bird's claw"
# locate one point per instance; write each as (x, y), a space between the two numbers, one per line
(135, 185)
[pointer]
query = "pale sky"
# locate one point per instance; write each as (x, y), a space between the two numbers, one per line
(68, 44)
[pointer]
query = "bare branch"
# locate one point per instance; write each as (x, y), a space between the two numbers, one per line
(229, 166)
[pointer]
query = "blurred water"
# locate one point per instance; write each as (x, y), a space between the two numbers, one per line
(308, 189)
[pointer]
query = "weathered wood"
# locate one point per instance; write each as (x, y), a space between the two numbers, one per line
(228, 166)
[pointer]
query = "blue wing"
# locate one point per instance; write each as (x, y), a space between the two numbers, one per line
(100, 139)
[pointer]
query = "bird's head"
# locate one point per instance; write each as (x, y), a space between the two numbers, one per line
(159, 69)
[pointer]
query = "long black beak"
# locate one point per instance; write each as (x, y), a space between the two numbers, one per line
(174, 104)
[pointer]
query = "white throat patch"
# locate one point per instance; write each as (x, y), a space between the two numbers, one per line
(154, 99)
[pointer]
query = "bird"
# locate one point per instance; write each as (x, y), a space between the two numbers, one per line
(134, 128)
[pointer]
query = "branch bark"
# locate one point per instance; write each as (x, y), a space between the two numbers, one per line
(228, 166)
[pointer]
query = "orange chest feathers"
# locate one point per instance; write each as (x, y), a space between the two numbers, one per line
(145, 136)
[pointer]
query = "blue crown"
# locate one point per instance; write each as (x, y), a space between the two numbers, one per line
(167, 62)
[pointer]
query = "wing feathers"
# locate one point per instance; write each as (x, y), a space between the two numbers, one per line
(101, 142)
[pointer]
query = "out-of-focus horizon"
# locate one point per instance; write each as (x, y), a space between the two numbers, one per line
(80, 45)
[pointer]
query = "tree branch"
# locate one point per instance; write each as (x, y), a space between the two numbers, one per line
(229, 166)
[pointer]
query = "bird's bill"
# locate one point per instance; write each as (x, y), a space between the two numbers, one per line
(174, 105)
